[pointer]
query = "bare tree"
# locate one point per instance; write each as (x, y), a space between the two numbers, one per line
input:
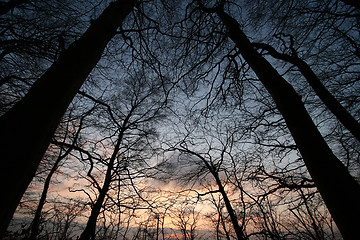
(254, 143)
(30, 41)
(311, 144)
(130, 137)
(62, 155)
(329, 100)
(214, 170)
(36, 117)
(218, 218)
(186, 219)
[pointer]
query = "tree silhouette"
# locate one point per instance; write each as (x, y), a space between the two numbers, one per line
(329, 100)
(130, 123)
(35, 118)
(315, 151)
(183, 113)
(62, 155)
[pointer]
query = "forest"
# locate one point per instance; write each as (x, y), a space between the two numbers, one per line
(187, 120)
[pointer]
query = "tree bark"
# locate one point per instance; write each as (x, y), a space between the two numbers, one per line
(326, 97)
(27, 128)
(339, 190)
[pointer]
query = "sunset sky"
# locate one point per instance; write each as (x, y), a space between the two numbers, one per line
(204, 119)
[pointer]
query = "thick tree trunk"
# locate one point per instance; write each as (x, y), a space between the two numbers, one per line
(339, 190)
(326, 97)
(27, 128)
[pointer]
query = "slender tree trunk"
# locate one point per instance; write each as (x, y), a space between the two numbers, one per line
(27, 128)
(89, 231)
(238, 230)
(36, 221)
(326, 97)
(234, 220)
(223, 226)
(157, 227)
(339, 190)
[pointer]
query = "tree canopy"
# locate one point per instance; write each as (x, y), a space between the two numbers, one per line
(191, 119)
